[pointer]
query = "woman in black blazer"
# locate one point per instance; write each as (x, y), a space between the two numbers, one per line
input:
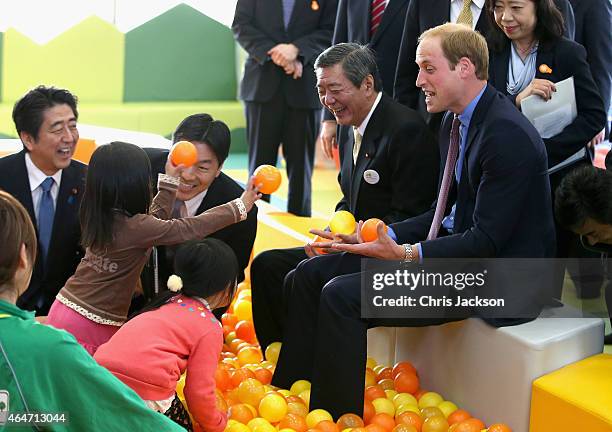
(528, 55)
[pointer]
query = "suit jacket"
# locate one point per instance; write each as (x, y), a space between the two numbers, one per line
(423, 15)
(258, 26)
(398, 147)
(566, 58)
(594, 32)
(65, 251)
(239, 236)
(503, 203)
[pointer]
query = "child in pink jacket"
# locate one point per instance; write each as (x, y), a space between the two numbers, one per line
(176, 333)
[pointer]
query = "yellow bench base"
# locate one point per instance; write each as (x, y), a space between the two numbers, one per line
(577, 397)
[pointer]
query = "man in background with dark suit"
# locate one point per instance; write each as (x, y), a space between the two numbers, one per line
(594, 32)
(204, 186)
(283, 38)
(378, 24)
(49, 184)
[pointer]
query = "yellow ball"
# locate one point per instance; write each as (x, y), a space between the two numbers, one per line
(243, 310)
(370, 363)
(272, 352)
(430, 399)
(404, 398)
(407, 407)
(180, 386)
(447, 408)
(342, 222)
(299, 386)
(273, 407)
(314, 417)
(435, 424)
(257, 421)
(285, 392)
(384, 405)
(237, 427)
(264, 428)
(390, 394)
(305, 396)
(286, 430)
(251, 391)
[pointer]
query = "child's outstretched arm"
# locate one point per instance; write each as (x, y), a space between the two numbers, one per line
(200, 383)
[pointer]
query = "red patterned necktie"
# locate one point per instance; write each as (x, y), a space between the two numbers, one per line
(447, 178)
(378, 8)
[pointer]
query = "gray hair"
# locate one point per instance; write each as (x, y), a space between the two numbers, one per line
(357, 61)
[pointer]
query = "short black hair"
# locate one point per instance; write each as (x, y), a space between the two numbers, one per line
(357, 61)
(29, 110)
(549, 24)
(203, 128)
(206, 267)
(118, 181)
(585, 192)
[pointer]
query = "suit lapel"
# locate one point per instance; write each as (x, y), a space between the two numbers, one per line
(477, 117)
(500, 66)
(367, 150)
(67, 200)
(391, 11)
(545, 56)
(22, 190)
(439, 11)
(360, 13)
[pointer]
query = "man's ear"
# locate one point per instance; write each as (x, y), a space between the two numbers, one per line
(368, 82)
(219, 171)
(27, 140)
(466, 67)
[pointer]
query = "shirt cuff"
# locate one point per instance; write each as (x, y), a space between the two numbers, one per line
(420, 249)
(391, 234)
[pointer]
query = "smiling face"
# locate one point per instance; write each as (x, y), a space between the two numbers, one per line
(349, 104)
(57, 138)
(200, 175)
(442, 86)
(595, 232)
(517, 19)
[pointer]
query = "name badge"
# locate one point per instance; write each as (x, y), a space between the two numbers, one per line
(371, 176)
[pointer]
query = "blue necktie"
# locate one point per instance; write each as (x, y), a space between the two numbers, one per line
(287, 10)
(46, 211)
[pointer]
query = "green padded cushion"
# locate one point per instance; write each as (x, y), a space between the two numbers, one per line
(181, 55)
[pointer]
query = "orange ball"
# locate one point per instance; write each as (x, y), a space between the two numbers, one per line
(241, 413)
(293, 421)
(458, 416)
(410, 418)
(403, 366)
(368, 411)
(406, 382)
(374, 392)
(327, 426)
(369, 231)
(349, 421)
(470, 425)
(499, 427)
(269, 177)
(183, 152)
(384, 420)
(246, 331)
(223, 379)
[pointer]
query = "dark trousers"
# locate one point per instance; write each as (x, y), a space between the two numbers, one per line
(273, 123)
(269, 270)
(325, 337)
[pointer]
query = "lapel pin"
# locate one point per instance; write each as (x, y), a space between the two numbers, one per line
(314, 5)
(545, 69)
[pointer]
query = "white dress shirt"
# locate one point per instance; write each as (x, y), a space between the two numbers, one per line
(475, 7)
(36, 177)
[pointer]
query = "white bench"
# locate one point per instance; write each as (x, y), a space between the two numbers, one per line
(485, 370)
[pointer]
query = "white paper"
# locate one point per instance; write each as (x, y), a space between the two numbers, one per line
(552, 116)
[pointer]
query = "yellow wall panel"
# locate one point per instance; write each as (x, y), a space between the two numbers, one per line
(88, 60)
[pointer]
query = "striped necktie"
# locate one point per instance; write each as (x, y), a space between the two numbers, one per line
(378, 8)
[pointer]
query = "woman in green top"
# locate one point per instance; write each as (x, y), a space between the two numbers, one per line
(47, 380)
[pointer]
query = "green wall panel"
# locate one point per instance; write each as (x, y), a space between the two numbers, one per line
(181, 55)
(1, 62)
(86, 59)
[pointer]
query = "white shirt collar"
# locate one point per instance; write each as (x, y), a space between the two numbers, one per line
(362, 127)
(36, 176)
(194, 203)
